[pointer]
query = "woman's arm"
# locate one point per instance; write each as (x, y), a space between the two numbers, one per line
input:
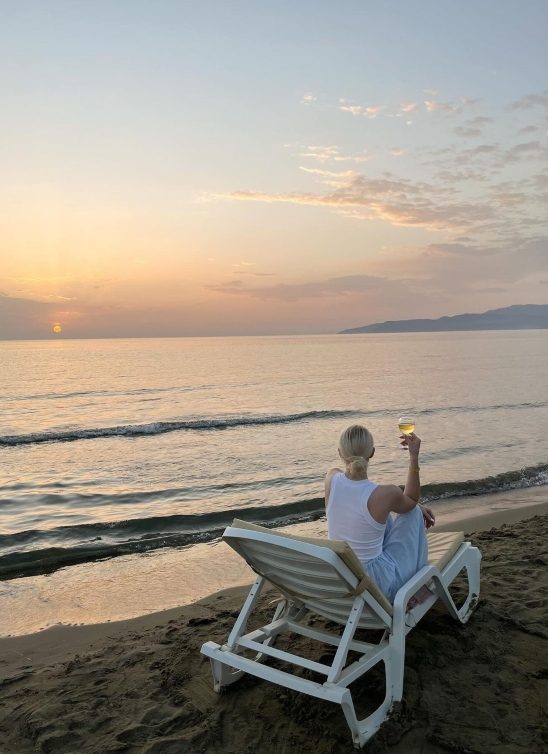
(413, 485)
(327, 484)
(391, 499)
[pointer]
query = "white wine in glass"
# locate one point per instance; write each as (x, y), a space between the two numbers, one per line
(406, 424)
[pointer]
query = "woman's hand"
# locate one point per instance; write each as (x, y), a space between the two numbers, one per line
(412, 443)
(429, 518)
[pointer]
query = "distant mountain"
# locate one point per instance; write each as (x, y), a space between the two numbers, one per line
(528, 317)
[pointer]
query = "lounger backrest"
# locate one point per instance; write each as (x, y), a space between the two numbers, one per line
(323, 574)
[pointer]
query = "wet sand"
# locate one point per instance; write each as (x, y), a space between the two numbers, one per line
(134, 585)
(142, 686)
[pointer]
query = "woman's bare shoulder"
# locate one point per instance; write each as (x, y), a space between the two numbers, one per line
(387, 492)
(382, 500)
(332, 472)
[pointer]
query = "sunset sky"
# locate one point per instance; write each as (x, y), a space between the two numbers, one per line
(218, 168)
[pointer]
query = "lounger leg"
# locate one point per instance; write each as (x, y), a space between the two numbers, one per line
(471, 564)
(223, 675)
(249, 604)
(395, 664)
(344, 644)
(363, 730)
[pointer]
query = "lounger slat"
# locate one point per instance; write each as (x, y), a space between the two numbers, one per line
(368, 619)
(327, 638)
(279, 654)
(304, 564)
(322, 582)
(307, 568)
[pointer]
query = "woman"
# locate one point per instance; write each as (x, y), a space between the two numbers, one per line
(360, 512)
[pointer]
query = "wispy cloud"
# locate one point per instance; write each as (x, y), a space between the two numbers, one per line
(409, 107)
(391, 110)
(527, 150)
(514, 260)
(473, 127)
(434, 106)
(331, 153)
(467, 131)
(464, 189)
(308, 99)
(398, 201)
(440, 272)
(366, 111)
(530, 101)
(336, 287)
(479, 122)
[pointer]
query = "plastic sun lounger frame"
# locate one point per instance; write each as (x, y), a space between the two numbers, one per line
(323, 577)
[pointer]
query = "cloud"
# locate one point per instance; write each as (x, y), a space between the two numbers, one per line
(433, 106)
(526, 150)
(409, 107)
(530, 101)
(399, 201)
(479, 122)
(473, 127)
(308, 99)
(258, 274)
(366, 111)
(528, 130)
(481, 190)
(22, 318)
(436, 276)
(484, 163)
(472, 265)
(458, 177)
(19, 316)
(467, 131)
(333, 179)
(330, 153)
(540, 181)
(348, 285)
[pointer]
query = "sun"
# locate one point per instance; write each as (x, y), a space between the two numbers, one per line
(57, 328)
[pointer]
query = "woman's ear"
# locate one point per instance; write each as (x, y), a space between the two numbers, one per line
(372, 453)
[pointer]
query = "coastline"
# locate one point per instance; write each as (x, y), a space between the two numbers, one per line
(136, 586)
(54, 640)
(473, 688)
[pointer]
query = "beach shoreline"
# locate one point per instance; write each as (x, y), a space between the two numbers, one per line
(58, 638)
(133, 587)
(150, 689)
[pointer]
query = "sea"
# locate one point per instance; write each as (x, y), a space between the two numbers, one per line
(117, 448)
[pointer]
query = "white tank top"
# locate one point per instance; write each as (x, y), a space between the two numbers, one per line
(348, 516)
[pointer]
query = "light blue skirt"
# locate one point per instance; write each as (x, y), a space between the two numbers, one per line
(405, 551)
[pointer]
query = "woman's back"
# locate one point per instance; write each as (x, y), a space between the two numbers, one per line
(349, 519)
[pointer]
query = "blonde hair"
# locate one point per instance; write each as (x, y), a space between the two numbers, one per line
(356, 445)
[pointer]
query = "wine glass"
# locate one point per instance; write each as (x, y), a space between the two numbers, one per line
(406, 424)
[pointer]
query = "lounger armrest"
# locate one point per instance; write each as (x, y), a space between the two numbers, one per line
(405, 592)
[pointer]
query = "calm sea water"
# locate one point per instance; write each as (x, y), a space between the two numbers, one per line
(117, 446)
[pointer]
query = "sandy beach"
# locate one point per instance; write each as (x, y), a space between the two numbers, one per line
(142, 686)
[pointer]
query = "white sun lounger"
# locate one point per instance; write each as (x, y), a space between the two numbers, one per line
(324, 577)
